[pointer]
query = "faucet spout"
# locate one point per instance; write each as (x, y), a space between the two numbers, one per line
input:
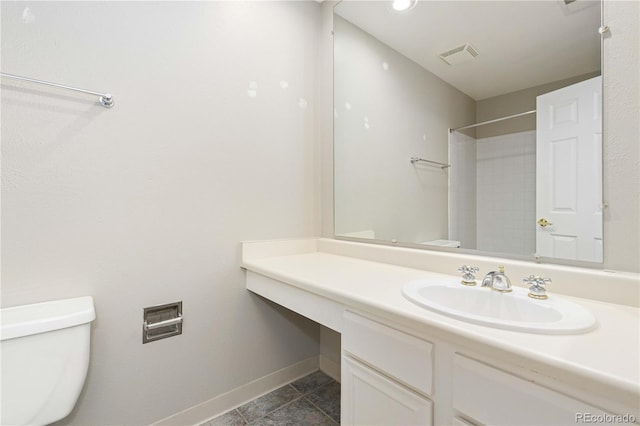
(498, 281)
(487, 281)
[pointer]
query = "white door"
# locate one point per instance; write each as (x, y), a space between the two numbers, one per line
(569, 172)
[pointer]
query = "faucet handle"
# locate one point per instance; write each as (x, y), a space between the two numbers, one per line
(537, 290)
(536, 280)
(468, 277)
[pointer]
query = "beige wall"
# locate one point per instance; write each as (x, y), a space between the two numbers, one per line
(515, 103)
(330, 345)
(387, 110)
(621, 97)
(325, 118)
(146, 203)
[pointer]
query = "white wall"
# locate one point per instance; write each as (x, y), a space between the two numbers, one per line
(146, 203)
(387, 110)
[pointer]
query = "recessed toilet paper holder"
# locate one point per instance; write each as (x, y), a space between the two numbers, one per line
(162, 321)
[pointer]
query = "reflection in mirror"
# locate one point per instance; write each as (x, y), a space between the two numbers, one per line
(470, 124)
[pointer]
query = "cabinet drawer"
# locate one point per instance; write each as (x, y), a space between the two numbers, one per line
(397, 354)
(492, 396)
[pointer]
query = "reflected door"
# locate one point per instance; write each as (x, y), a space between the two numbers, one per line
(569, 172)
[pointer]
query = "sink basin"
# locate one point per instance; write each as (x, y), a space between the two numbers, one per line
(512, 311)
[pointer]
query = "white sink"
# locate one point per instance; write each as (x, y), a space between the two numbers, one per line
(512, 311)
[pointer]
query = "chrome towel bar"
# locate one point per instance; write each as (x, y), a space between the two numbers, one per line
(443, 166)
(105, 99)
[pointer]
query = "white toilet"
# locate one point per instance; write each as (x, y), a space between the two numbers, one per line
(45, 357)
(443, 243)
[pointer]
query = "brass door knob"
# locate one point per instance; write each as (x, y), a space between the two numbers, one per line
(544, 222)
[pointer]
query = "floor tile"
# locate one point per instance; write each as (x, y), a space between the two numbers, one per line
(232, 418)
(312, 382)
(265, 404)
(299, 412)
(327, 398)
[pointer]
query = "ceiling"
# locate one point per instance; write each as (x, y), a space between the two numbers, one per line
(520, 43)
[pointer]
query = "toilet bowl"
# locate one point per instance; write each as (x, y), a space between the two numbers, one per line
(45, 357)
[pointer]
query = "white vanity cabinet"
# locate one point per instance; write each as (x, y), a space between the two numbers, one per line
(404, 365)
(388, 379)
(386, 375)
(483, 394)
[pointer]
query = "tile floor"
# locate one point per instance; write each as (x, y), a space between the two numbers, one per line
(313, 400)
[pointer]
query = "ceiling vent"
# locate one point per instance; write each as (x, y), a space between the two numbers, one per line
(460, 54)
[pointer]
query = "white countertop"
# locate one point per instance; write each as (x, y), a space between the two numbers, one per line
(607, 356)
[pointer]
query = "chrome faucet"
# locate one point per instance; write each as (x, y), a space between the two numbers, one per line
(497, 280)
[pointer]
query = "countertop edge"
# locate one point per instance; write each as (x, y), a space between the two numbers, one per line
(630, 388)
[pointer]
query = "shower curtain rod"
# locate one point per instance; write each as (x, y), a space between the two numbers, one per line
(105, 99)
(533, 111)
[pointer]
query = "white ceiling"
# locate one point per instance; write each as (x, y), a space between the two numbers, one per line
(521, 43)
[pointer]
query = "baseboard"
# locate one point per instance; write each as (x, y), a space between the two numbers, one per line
(330, 367)
(207, 410)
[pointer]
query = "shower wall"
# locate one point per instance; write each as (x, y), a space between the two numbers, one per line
(462, 189)
(492, 192)
(506, 193)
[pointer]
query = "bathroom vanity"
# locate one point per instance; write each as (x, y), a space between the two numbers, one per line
(404, 364)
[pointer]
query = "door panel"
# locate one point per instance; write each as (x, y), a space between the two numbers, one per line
(569, 172)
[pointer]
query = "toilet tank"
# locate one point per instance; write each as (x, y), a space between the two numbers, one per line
(44, 350)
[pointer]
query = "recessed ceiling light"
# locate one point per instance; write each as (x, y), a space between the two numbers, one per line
(402, 5)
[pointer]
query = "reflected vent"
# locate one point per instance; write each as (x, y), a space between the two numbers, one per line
(460, 54)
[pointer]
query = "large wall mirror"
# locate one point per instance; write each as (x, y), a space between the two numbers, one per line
(470, 125)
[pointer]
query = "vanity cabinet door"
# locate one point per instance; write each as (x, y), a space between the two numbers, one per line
(494, 397)
(369, 398)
